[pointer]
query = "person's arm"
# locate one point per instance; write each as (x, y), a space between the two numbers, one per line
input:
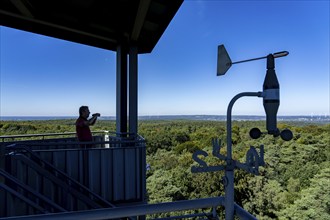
(93, 119)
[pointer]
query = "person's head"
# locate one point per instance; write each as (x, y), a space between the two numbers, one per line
(84, 111)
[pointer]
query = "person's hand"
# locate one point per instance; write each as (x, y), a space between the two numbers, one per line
(96, 115)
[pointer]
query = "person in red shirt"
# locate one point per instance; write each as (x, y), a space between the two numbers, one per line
(82, 125)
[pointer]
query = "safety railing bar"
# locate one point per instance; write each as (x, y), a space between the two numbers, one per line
(116, 134)
(243, 214)
(82, 149)
(23, 198)
(57, 181)
(186, 216)
(138, 210)
(45, 134)
(120, 142)
(36, 135)
(27, 188)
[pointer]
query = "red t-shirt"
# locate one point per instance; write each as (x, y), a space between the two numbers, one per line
(83, 131)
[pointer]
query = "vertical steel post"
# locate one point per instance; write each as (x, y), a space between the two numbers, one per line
(2, 155)
(230, 165)
(2, 160)
(121, 90)
(133, 90)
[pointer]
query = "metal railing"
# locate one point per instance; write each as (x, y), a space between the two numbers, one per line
(113, 135)
(138, 210)
(47, 175)
(24, 189)
(68, 140)
(148, 209)
(57, 177)
(3, 138)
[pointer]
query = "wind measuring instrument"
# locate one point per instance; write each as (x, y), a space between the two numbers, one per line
(270, 94)
(254, 159)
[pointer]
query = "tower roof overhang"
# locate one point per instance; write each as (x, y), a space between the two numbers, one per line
(99, 23)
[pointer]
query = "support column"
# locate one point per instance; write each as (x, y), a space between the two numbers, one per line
(133, 90)
(121, 90)
(2, 160)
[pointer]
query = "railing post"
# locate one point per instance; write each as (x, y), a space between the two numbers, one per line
(133, 90)
(2, 156)
(2, 161)
(121, 90)
(3, 200)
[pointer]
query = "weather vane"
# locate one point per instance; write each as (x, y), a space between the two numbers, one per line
(271, 102)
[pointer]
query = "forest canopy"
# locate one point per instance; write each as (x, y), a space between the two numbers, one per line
(294, 184)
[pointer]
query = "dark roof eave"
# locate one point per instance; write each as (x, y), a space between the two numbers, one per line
(146, 39)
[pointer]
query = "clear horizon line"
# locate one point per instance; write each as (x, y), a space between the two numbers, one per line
(74, 116)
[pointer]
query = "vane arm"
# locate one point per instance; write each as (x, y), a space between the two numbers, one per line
(275, 55)
(243, 61)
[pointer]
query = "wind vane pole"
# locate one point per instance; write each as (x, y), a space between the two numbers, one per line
(271, 101)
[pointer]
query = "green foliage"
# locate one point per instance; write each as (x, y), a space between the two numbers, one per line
(314, 201)
(266, 197)
(294, 184)
(288, 181)
(189, 146)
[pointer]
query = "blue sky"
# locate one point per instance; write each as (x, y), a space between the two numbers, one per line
(43, 76)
